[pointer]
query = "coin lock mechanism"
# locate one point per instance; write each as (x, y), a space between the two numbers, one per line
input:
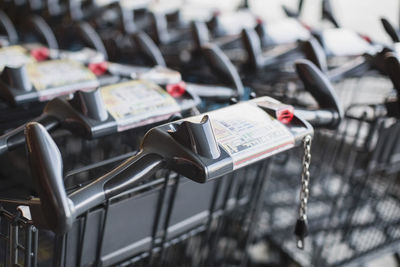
(90, 104)
(198, 137)
(17, 78)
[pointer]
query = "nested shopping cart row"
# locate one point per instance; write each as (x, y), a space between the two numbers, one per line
(103, 199)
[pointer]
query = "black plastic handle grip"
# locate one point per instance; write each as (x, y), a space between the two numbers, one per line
(61, 210)
(91, 38)
(122, 178)
(75, 10)
(126, 18)
(214, 25)
(147, 46)
(219, 63)
(314, 52)
(392, 66)
(16, 137)
(316, 83)
(291, 13)
(319, 118)
(391, 31)
(174, 17)
(160, 28)
(201, 35)
(47, 171)
(44, 31)
(8, 27)
(327, 13)
(252, 44)
(54, 8)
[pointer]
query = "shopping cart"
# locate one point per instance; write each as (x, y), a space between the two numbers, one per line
(145, 210)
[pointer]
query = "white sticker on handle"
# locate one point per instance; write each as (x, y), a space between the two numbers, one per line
(53, 74)
(249, 134)
(55, 78)
(137, 103)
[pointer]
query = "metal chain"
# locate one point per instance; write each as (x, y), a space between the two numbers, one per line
(305, 178)
(301, 228)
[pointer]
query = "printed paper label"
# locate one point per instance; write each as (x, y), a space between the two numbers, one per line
(137, 103)
(249, 134)
(58, 77)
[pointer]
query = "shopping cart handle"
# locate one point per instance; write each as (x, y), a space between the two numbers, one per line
(316, 83)
(296, 13)
(257, 59)
(44, 30)
(319, 118)
(174, 17)
(290, 13)
(47, 169)
(149, 48)
(214, 25)
(75, 11)
(251, 43)
(201, 35)
(59, 209)
(124, 177)
(219, 63)
(265, 39)
(8, 26)
(314, 52)
(91, 38)
(392, 67)
(160, 28)
(126, 18)
(391, 31)
(87, 105)
(189, 148)
(327, 13)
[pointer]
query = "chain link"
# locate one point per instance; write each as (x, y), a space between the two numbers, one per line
(305, 178)
(301, 228)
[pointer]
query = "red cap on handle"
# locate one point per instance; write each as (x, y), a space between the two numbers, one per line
(41, 53)
(176, 89)
(285, 115)
(98, 68)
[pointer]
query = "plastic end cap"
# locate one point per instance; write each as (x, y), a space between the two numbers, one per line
(98, 68)
(177, 89)
(41, 53)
